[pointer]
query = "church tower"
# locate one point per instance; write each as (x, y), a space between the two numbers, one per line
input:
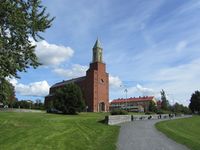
(97, 52)
(97, 98)
(94, 86)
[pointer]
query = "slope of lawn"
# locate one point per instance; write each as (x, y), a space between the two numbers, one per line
(185, 131)
(41, 131)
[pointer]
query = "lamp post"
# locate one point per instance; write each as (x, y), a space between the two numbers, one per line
(126, 91)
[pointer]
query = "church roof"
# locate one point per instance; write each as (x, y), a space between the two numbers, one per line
(68, 82)
(97, 44)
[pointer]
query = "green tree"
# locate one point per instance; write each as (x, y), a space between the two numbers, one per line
(164, 101)
(20, 20)
(195, 102)
(152, 106)
(7, 92)
(38, 104)
(177, 108)
(68, 99)
(22, 104)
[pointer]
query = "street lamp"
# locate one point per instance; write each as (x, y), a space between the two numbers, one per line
(126, 91)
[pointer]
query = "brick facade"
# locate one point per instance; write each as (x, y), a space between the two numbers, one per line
(94, 86)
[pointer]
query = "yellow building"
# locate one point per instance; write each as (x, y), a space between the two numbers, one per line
(136, 104)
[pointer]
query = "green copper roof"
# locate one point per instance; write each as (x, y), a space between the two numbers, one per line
(97, 44)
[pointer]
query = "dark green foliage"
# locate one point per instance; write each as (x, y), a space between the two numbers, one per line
(20, 20)
(165, 102)
(69, 99)
(149, 113)
(152, 107)
(179, 108)
(38, 105)
(119, 112)
(22, 104)
(28, 104)
(7, 93)
(160, 112)
(195, 102)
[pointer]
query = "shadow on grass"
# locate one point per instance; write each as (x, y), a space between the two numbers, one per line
(104, 121)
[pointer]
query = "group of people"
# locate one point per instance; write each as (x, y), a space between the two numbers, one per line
(170, 116)
(164, 116)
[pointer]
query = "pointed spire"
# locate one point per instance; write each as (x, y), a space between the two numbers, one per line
(97, 44)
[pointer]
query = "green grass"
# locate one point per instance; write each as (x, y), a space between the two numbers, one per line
(41, 131)
(185, 131)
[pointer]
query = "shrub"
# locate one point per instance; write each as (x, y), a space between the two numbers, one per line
(160, 112)
(119, 112)
(149, 113)
(68, 100)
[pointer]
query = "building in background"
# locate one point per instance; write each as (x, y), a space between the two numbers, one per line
(94, 86)
(134, 104)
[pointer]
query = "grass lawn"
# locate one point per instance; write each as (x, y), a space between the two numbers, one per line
(41, 131)
(185, 131)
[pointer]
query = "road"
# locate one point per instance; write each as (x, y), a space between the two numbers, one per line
(142, 135)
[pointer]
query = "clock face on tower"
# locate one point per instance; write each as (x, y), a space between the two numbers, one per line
(101, 81)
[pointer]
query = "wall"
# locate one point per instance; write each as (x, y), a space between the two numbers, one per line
(116, 119)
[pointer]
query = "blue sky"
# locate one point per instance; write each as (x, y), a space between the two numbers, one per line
(147, 46)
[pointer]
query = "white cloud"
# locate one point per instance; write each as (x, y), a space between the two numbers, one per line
(114, 81)
(52, 54)
(76, 71)
(139, 90)
(145, 91)
(179, 81)
(13, 81)
(183, 72)
(40, 88)
(181, 45)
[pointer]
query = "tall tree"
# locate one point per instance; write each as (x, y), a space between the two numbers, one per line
(7, 93)
(69, 99)
(20, 20)
(195, 102)
(152, 106)
(164, 101)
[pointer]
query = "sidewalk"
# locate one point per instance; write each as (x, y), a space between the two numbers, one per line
(142, 135)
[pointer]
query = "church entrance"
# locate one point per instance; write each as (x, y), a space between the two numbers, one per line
(101, 106)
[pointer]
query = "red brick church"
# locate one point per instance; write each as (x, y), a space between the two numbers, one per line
(94, 86)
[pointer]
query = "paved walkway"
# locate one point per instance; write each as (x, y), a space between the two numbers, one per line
(142, 135)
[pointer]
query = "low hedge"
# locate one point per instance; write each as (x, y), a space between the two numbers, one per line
(119, 112)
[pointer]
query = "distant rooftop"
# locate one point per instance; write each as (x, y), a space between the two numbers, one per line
(131, 99)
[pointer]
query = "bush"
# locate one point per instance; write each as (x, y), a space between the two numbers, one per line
(68, 99)
(119, 112)
(160, 112)
(149, 113)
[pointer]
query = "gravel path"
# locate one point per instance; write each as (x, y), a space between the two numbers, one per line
(142, 135)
